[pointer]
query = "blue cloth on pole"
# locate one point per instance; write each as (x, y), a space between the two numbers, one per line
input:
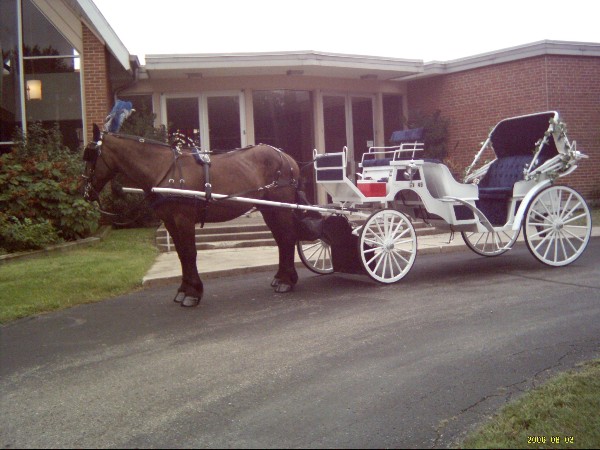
(121, 111)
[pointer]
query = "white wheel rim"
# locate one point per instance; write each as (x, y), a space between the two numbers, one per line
(558, 226)
(490, 243)
(316, 255)
(388, 246)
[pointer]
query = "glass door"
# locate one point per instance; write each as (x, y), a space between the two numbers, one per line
(214, 121)
(183, 116)
(223, 124)
(348, 121)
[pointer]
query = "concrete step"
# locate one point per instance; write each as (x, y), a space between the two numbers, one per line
(242, 234)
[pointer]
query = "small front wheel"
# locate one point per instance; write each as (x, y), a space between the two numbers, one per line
(490, 243)
(316, 256)
(387, 245)
(557, 226)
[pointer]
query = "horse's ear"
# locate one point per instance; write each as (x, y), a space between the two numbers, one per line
(96, 133)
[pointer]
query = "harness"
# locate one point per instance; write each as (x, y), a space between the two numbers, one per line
(93, 153)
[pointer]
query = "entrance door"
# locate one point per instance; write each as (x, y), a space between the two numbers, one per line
(183, 116)
(348, 121)
(214, 121)
(223, 123)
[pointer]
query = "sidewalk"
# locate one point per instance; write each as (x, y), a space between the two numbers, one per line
(233, 261)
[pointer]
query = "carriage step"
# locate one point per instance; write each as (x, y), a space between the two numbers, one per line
(234, 236)
(236, 244)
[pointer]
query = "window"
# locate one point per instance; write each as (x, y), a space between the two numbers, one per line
(392, 115)
(183, 116)
(284, 119)
(224, 121)
(49, 87)
(10, 86)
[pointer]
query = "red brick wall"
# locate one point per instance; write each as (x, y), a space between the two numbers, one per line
(475, 100)
(97, 89)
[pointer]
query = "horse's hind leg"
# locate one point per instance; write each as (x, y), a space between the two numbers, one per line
(182, 230)
(282, 225)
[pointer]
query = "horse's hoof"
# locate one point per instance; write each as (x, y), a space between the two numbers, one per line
(179, 297)
(190, 301)
(282, 287)
(275, 282)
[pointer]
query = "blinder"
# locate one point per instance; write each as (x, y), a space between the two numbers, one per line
(90, 153)
(90, 157)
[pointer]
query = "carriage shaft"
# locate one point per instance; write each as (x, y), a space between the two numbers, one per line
(255, 201)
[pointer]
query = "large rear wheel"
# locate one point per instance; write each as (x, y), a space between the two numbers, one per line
(557, 226)
(387, 245)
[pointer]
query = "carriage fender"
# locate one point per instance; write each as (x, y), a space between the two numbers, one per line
(526, 201)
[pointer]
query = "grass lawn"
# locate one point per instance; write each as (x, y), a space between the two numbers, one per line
(563, 413)
(55, 281)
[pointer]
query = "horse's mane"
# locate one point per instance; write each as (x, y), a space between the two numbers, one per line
(139, 139)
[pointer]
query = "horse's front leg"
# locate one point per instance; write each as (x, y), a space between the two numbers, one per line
(282, 226)
(182, 230)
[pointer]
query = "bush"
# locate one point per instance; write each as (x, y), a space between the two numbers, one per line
(39, 195)
(435, 133)
(27, 234)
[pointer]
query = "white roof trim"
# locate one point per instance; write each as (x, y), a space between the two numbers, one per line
(107, 34)
(261, 63)
(534, 49)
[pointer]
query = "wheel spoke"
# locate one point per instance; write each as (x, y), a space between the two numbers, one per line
(387, 246)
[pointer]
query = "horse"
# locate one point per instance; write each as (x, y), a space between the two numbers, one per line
(258, 171)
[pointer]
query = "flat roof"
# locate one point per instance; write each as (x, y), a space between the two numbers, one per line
(540, 48)
(315, 63)
(308, 63)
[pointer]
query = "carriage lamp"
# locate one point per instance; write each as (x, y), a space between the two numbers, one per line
(34, 89)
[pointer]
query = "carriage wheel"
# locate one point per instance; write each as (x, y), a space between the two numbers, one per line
(490, 243)
(557, 226)
(387, 245)
(316, 256)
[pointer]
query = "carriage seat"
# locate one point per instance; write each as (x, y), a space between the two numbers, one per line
(377, 162)
(410, 135)
(502, 175)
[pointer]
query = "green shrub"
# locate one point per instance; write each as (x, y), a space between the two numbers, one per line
(435, 133)
(27, 234)
(39, 192)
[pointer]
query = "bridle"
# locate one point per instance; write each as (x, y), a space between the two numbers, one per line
(91, 154)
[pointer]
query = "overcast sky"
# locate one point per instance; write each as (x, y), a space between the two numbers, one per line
(420, 29)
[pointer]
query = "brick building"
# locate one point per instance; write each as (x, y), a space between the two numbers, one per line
(475, 93)
(294, 100)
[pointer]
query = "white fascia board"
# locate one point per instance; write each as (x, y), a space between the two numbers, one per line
(97, 21)
(300, 59)
(540, 48)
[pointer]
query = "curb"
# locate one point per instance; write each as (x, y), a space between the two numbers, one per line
(99, 235)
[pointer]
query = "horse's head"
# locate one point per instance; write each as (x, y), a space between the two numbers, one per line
(97, 171)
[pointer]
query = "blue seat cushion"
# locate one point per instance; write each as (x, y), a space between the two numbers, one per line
(376, 162)
(502, 176)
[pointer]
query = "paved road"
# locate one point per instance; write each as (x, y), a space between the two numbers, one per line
(340, 362)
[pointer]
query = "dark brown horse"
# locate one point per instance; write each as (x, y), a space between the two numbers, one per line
(261, 172)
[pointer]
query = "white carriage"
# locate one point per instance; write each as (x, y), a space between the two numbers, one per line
(516, 189)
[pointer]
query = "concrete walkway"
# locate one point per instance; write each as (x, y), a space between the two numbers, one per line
(233, 261)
